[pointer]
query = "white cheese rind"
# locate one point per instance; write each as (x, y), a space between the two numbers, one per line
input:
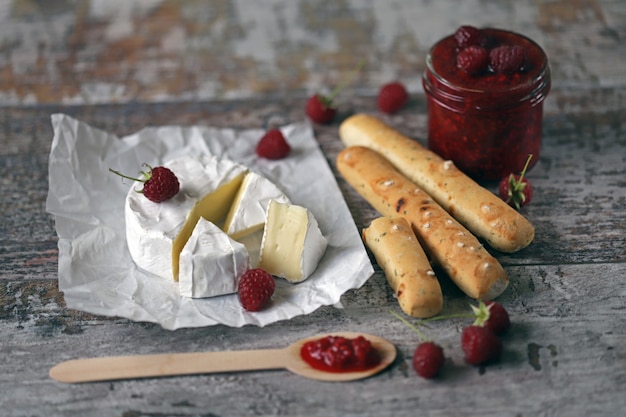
(292, 244)
(211, 262)
(151, 228)
(248, 212)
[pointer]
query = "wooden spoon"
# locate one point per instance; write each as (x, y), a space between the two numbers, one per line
(144, 366)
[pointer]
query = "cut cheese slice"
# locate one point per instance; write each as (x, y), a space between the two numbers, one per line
(293, 243)
(157, 232)
(248, 212)
(211, 262)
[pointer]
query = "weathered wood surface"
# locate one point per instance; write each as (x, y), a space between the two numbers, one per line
(564, 356)
(104, 51)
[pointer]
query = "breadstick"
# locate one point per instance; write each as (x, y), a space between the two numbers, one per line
(408, 272)
(447, 242)
(478, 209)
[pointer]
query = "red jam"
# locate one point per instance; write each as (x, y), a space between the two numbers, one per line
(340, 354)
(488, 122)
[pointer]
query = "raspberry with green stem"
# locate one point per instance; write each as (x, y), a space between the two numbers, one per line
(159, 183)
(490, 314)
(516, 190)
(320, 108)
(428, 357)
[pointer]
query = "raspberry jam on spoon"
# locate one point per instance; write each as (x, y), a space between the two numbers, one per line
(160, 365)
(340, 354)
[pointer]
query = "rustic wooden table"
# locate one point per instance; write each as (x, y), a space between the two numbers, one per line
(122, 65)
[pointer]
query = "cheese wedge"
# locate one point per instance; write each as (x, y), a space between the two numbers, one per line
(157, 232)
(213, 207)
(210, 262)
(292, 244)
(247, 214)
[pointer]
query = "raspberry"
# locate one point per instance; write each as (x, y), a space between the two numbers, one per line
(498, 321)
(467, 36)
(392, 97)
(492, 315)
(480, 345)
(428, 359)
(516, 190)
(319, 109)
(162, 185)
(273, 145)
(507, 59)
(159, 184)
(255, 289)
(473, 59)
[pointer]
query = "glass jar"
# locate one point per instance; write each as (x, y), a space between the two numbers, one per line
(488, 123)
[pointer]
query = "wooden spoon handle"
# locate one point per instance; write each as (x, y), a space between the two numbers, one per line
(142, 366)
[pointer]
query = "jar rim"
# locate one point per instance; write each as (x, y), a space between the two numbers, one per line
(534, 88)
(539, 80)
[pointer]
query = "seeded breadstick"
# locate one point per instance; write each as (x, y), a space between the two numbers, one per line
(445, 240)
(480, 210)
(406, 266)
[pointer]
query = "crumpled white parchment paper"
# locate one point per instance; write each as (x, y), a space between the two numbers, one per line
(96, 273)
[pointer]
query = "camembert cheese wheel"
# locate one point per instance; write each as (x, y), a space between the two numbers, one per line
(157, 232)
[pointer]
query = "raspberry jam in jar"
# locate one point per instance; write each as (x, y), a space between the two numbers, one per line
(485, 90)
